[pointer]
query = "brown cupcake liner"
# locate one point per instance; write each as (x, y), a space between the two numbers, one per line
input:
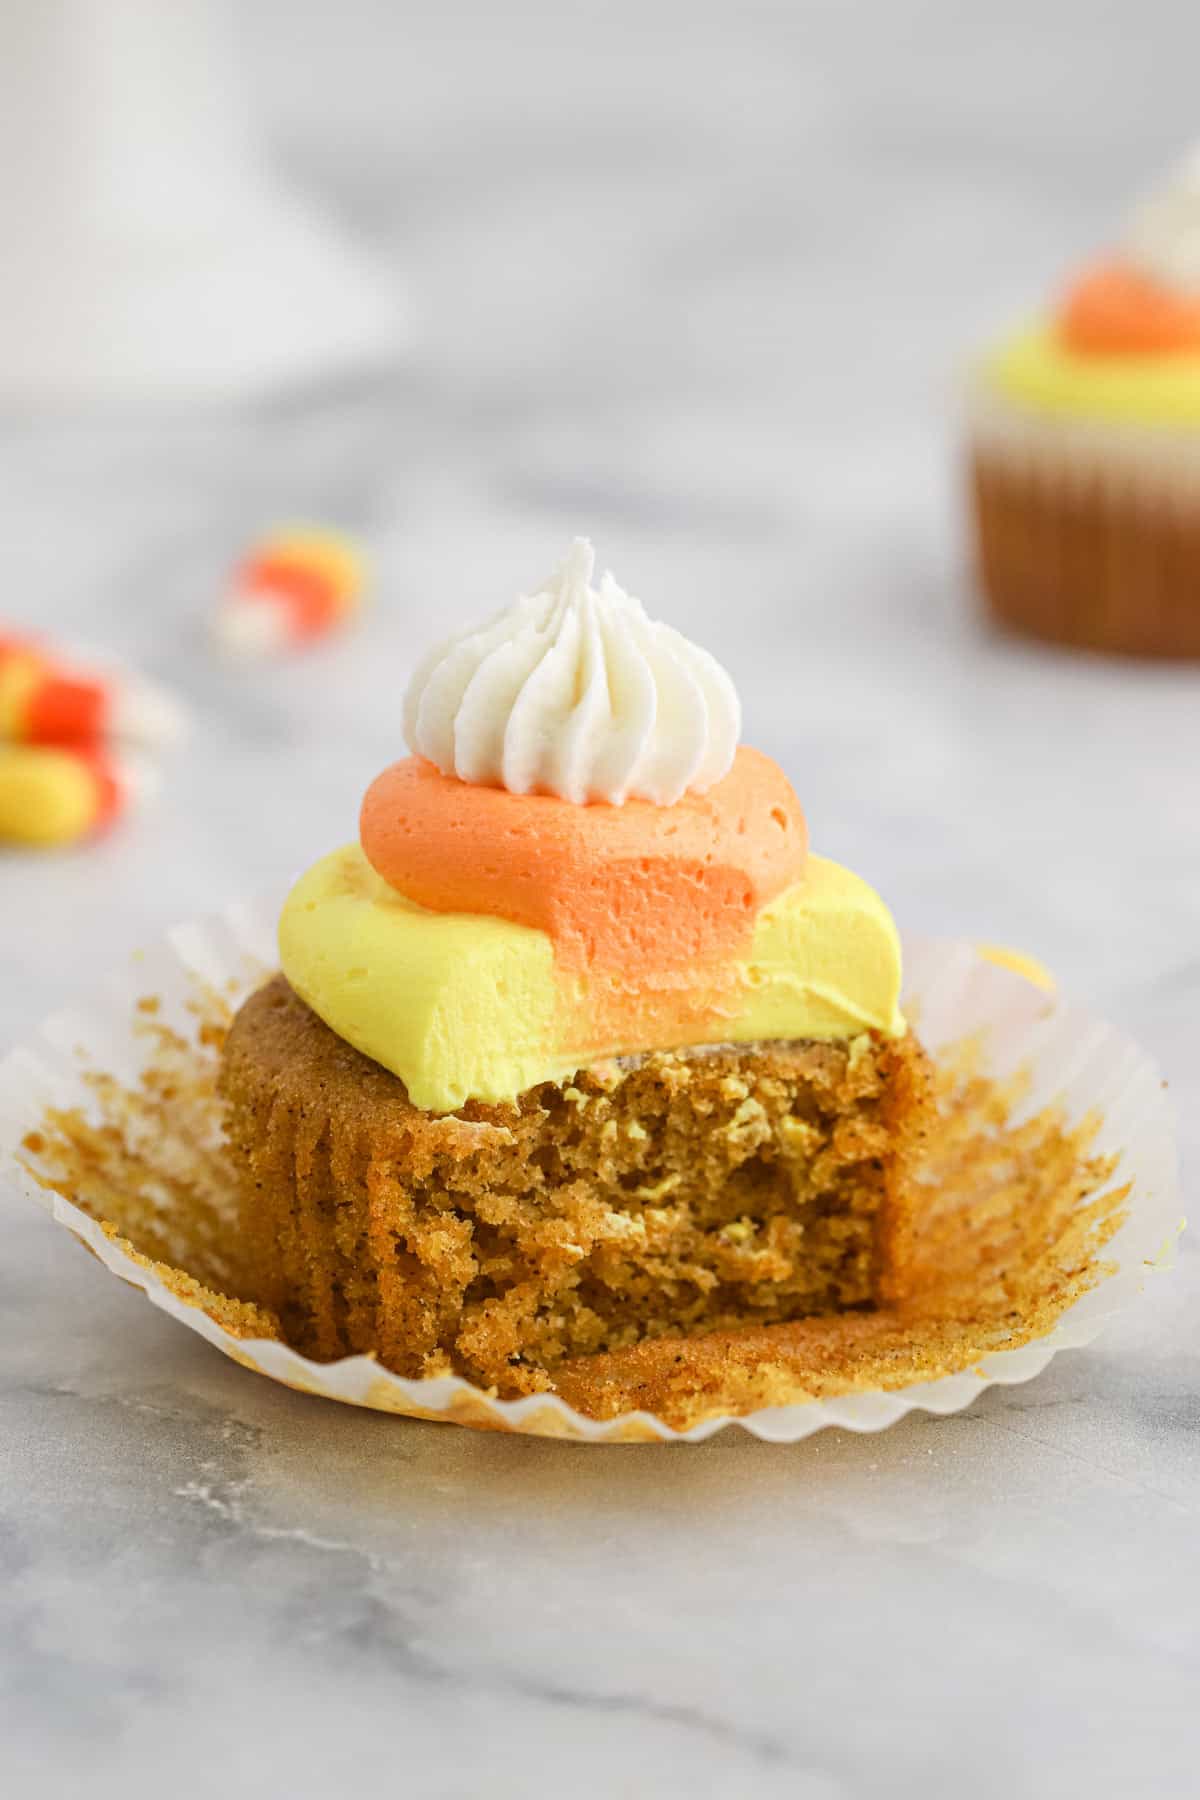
(1089, 537)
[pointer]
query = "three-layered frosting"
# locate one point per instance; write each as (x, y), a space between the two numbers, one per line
(577, 863)
(1124, 345)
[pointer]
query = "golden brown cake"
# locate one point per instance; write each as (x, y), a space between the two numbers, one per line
(578, 1046)
(677, 1191)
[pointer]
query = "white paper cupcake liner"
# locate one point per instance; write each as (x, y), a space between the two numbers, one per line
(1073, 1059)
(1159, 463)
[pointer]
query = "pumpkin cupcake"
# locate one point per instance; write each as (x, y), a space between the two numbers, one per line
(578, 1044)
(1085, 448)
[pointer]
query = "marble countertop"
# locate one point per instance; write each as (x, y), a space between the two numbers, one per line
(692, 280)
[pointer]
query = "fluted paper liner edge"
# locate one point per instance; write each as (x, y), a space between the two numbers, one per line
(1069, 1060)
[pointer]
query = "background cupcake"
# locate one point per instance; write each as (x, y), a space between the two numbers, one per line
(1085, 447)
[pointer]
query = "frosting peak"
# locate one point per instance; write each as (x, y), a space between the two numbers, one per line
(574, 691)
(1163, 237)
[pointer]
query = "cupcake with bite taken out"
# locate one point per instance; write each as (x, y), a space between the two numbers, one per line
(577, 1044)
(1085, 448)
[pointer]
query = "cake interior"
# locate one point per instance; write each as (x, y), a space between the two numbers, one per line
(673, 1193)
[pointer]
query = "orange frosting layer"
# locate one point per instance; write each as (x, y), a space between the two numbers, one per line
(1114, 310)
(634, 887)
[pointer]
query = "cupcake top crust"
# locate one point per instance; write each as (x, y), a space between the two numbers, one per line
(1123, 342)
(578, 861)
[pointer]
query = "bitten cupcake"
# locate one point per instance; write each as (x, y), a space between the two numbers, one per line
(578, 1044)
(1085, 448)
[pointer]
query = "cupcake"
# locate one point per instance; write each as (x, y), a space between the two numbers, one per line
(577, 1045)
(1085, 448)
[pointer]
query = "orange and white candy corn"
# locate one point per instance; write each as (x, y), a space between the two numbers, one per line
(295, 587)
(53, 796)
(46, 700)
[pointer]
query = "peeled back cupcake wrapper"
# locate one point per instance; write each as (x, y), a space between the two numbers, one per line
(1082, 1063)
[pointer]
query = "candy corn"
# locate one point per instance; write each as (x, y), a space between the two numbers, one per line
(60, 780)
(295, 587)
(56, 796)
(44, 700)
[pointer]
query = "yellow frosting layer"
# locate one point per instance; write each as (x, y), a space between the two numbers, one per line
(462, 1006)
(1036, 369)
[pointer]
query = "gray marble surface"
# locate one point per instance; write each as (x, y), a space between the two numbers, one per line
(692, 280)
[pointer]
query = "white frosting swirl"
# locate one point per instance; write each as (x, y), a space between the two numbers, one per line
(574, 691)
(1163, 237)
